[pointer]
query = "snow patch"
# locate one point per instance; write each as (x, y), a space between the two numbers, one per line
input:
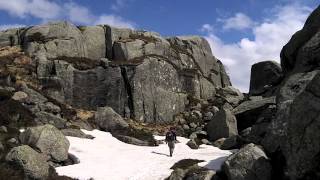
(105, 157)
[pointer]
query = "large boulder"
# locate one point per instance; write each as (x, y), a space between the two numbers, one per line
(95, 41)
(158, 96)
(32, 163)
(248, 112)
(302, 148)
(300, 53)
(108, 120)
(229, 96)
(292, 87)
(58, 39)
(265, 76)
(249, 163)
(223, 125)
(48, 140)
(48, 118)
(115, 34)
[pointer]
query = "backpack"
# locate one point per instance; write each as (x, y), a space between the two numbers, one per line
(170, 136)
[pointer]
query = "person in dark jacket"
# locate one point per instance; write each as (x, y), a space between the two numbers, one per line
(171, 138)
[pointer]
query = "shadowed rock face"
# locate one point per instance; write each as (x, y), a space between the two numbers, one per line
(301, 54)
(264, 76)
(138, 73)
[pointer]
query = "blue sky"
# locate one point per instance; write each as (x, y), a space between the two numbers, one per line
(240, 32)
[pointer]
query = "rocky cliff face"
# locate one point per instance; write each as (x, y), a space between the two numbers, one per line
(139, 74)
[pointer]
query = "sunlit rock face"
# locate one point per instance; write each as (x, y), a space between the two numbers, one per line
(138, 73)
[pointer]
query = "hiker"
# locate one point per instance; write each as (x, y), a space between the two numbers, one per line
(171, 137)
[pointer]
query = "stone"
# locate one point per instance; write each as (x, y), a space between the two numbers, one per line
(3, 129)
(108, 120)
(95, 41)
(48, 140)
(248, 112)
(186, 127)
(294, 85)
(224, 124)
(19, 96)
(230, 95)
(115, 34)
(128, 51)
(218, 143)
(276, 131)
(265, 75)
(162, 94)
(132, 140)
(201, 173)
(193, 125)
(177, 174)
(34, 97)
(249, 163)
(11, 37)
(48, 118)
(76, 133)
(302, 147)
(192, 144)
(32, 163)
(57, 39)
(208, 116)
(299, 53)
(91, 88)
(233, 142)
(1, 148)
(253, 104)
(193, 135)
(50, 108)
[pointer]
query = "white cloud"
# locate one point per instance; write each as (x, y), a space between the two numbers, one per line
(10, 26)
(47, 10)
(79, 14)
(115, 21)
(206, 28)
(269, 38)
(42, 9)
(118, 5)
(239, 22)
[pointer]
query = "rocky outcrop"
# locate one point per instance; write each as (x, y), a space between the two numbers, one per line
(11, 37)
(108, 120)
(32, 163)
(223, 125)
(138, 73)
(48, 140)
(302, 148)
(265, 76)
(188, 169)
(249, 112)
(300, 53)
(54, 40)
(249, 163)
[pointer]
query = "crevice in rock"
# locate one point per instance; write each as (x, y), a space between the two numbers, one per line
(128, 89)
(278, 163)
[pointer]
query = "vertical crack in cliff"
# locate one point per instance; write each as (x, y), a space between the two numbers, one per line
(128, 89)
